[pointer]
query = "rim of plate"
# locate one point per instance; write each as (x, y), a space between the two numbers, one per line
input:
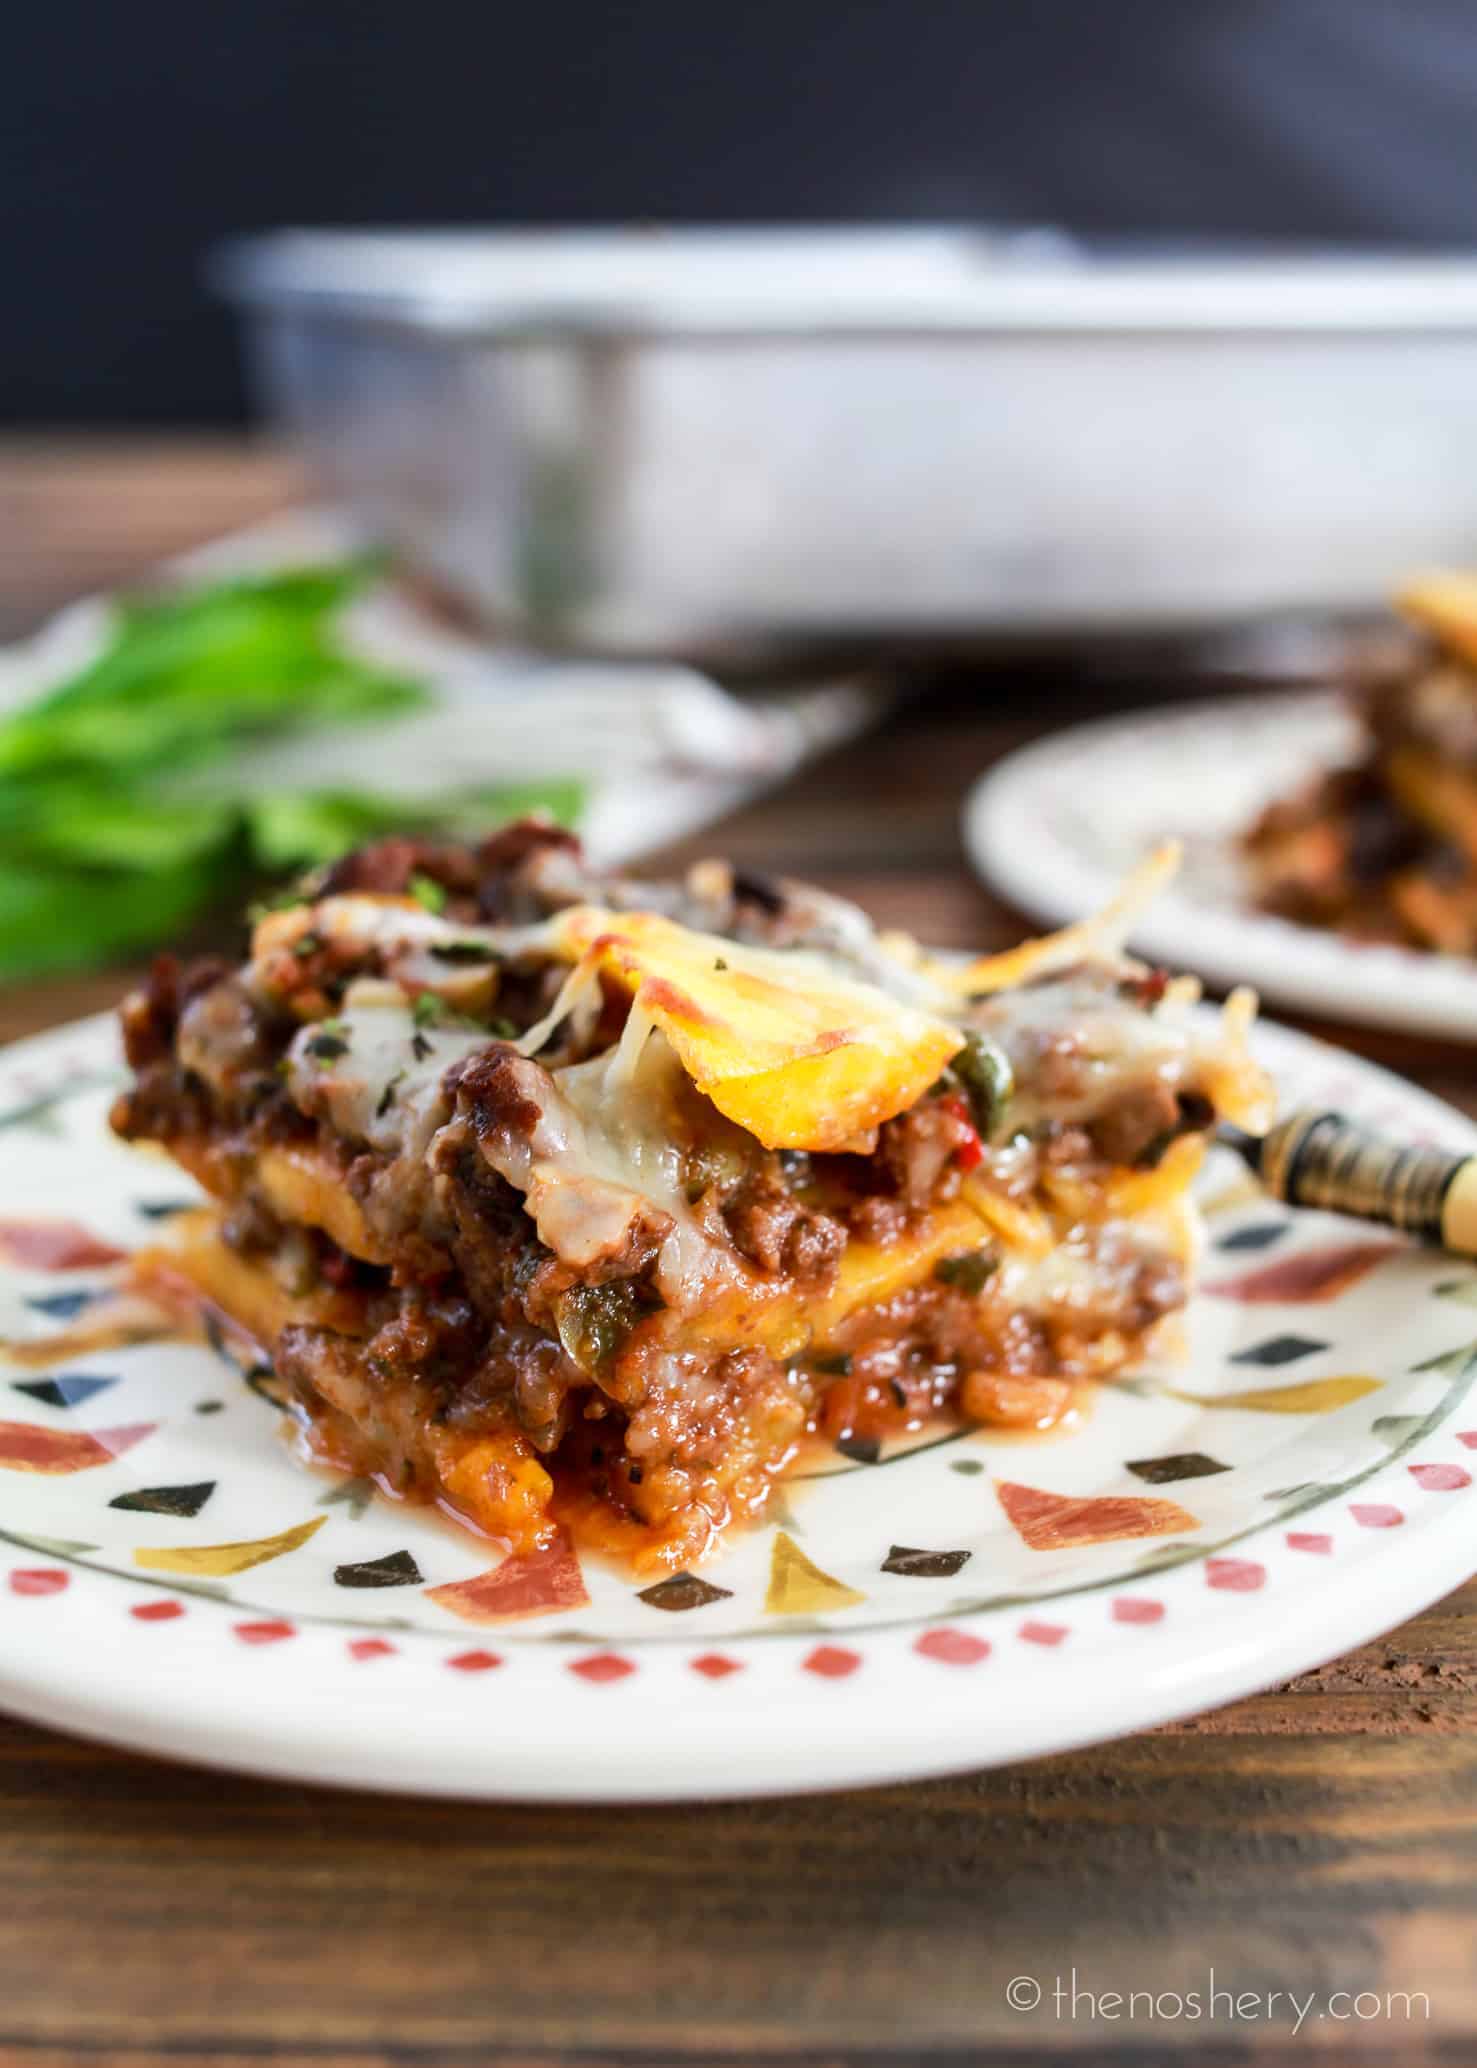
(1024, 834)
(634, 1721)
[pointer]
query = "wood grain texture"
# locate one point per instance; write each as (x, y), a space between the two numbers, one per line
(83, 514)
(1318, 1837)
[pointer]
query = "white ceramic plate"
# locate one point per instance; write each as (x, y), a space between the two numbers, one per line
(171, 1579)
(1057, 826)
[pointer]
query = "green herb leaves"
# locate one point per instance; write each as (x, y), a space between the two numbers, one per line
(110, 840)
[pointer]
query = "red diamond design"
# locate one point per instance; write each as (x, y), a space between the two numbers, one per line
(271, 1632)
(1440, 1479)
(40, 1579)
(370, 1648)
(1309, 1540)
(1375, 1514)
(156, 1611)
(1042, 1633)
(601, 1667)
(832, 1661)
(713, 1666)
(474, 1662)
(55, 1246)
(1468, 1437)
(952, 1647)
(1137, 1608)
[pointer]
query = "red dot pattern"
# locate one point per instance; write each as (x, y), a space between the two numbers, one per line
(39, 1579)
(602, 1667)
(270, 1631)
(714, 1665)
(952, 1647)
(944, 1645)
(1235, 1575)
(831, 1661)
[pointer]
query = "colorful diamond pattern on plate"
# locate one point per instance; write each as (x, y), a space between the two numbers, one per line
(805, 1578)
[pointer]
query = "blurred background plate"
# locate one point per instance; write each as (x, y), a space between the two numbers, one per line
(1058, 825)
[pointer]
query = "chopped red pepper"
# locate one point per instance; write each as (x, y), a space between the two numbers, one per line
(971, 1149)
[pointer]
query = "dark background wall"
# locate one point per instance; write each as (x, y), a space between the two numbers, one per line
(134, 135)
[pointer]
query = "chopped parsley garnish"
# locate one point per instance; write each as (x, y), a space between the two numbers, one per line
(970, 1272)
(387, 1096)
(279, 901)
(462, 951)
(427, 892)
(427, 1009)
(305, 945)
(719, 963)
(420, 1048)
(502, 1028)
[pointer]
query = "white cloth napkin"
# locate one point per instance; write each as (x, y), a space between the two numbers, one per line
(661, 748)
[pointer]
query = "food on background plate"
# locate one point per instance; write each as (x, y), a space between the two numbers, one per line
(570, 1202)
(1385, 848)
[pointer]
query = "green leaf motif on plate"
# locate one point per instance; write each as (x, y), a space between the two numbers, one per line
(354, 1494)
(1396, 1428)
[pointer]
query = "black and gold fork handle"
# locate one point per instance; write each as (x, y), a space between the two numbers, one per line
(1325, 1160)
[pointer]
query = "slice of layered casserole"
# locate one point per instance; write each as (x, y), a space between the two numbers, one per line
(572, 1202)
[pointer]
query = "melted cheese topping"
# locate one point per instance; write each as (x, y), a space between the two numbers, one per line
(799, 1055)
(784, 1041)
(1074, 1045)
(1097, 938)
(376, 1077)
(794, 1046)
(604, 1150)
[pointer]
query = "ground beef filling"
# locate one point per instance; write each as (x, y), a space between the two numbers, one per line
(475, 1329)
(666, 1435)
(477, 1326)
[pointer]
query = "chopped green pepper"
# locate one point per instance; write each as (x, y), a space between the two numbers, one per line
(594, 1320)
(970, 1272)
(983, 1068)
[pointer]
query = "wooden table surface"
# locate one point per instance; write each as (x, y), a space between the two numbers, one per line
(1321, 1837)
